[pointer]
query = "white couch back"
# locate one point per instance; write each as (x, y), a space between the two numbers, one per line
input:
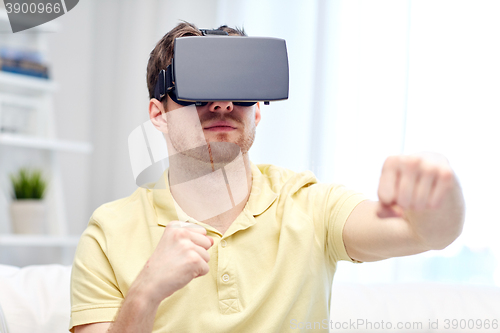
(35, 299)
(416, 307)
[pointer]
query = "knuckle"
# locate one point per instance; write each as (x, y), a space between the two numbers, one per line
(181, 245)
(204, 269)
(172, 229)
(175, 236)
(192, 258)
(180, 232)
(412, 163)
(446, 175)
(187, 245)
(391, 162)
(173, 224)
(428, 168)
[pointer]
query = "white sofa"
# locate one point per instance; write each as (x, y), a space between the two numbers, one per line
(35, 299)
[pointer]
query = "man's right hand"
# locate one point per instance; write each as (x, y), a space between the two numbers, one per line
(181, 255)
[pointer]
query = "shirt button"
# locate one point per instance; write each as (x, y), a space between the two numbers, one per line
(225, 277)
(223, 243)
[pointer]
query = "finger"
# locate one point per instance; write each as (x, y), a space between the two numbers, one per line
(188, 226)
(200, 240)
(203, 253)
(409, 177)
(389, 181)
(193, 228)
(204, 268)
(423, 190)
(444, 182)
(197, 229)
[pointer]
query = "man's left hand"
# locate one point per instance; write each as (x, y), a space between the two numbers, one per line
(414, 182)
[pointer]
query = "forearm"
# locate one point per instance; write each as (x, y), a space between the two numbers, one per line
(437, 228)
(137, 313)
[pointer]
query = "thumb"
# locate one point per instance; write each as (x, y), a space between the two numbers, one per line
(387, 211)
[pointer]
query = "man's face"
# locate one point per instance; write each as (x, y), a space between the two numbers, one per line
(220, 122)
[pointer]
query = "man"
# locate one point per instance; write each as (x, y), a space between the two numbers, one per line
(146, 264)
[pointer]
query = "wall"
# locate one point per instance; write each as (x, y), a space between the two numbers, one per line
(70, 55)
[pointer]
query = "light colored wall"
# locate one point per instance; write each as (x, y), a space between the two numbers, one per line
(70, 55)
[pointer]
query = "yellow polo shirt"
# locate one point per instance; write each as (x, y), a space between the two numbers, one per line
(271, 271)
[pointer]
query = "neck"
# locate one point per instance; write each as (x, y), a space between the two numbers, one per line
(214, 193)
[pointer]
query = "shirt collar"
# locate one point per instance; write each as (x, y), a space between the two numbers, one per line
(163, 202)
(261, 197)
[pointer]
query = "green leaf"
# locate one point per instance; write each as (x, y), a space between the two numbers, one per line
(28, 185)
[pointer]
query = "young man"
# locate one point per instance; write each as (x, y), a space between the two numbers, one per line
(143, 265)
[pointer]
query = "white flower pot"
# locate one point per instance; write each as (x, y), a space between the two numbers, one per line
(28, 216)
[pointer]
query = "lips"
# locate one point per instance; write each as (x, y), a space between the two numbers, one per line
(220, 126)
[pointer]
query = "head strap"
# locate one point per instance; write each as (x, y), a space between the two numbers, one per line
(164, 83)
(206, 32)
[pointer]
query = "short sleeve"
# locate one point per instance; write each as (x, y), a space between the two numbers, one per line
(339, 205)
(95, 295)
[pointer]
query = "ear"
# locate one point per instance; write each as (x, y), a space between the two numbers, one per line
(157, 115)
(257, 113)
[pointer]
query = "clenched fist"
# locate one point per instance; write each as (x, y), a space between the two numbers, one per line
(414, 182)
(181, 256)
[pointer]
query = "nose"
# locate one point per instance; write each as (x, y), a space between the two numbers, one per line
(221, 106)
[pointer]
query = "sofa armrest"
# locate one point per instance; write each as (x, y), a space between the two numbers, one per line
(3, 323)
(35, 298)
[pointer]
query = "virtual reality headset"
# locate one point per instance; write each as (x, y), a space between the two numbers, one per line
(241, 69)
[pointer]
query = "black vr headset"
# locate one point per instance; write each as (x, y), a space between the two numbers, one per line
(218, 67)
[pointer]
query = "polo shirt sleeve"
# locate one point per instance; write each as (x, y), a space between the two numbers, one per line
(340, 202)
(95, 295)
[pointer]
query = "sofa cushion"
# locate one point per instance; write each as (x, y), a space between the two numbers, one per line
(35, 298)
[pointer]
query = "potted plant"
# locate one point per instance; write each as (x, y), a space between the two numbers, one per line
(27, 209)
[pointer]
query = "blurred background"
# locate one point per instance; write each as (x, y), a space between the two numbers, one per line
(368, 79)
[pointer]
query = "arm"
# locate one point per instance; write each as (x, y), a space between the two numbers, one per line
(93, 328)
(420, 208)
(181, 255)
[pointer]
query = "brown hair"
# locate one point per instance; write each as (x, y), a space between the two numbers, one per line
(162, 54)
